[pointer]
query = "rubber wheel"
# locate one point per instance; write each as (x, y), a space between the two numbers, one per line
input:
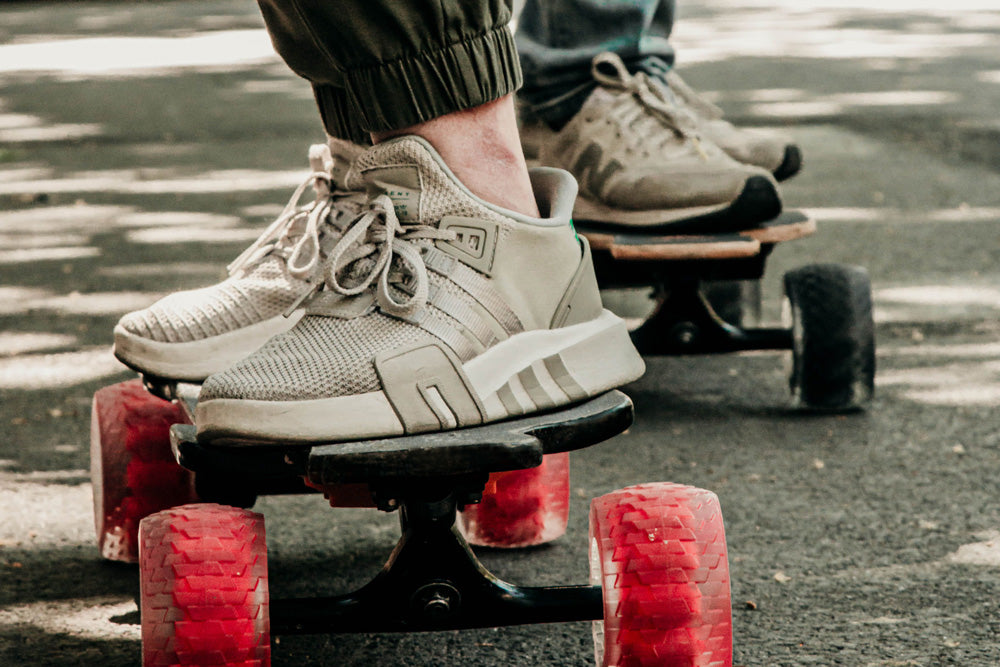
(203, 586)
(833, 337)
(132, 469)
(659, 553)
(521, 508)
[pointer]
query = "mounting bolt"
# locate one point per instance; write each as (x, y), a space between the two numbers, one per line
(437, 606)
(386, 504)
(436, 602)
(685, 333)
(159, 387)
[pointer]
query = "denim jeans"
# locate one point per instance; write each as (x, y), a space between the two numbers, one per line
(556, 40)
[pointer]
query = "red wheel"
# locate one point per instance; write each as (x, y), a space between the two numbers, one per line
(131, 466)
(659, 552)
(203, 584)
(521, 508)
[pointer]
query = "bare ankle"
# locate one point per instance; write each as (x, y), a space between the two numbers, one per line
(482, 147)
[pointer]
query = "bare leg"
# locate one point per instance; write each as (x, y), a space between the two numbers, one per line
(482, 146)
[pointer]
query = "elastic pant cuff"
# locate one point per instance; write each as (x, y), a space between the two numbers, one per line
(339, 118)
(404, 92)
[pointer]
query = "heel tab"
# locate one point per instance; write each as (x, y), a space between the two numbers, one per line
(555, 193)
(582, 299)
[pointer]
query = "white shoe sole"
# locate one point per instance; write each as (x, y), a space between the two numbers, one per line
(196, 360)
(529, 372)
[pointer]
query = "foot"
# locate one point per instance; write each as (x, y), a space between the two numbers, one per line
(642, 165)
(192, 334)
(766, 149)
(443, 311)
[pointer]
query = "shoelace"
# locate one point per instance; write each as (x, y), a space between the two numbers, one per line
(650, 95)
(368, 251)
(295, 234)
(692, 98)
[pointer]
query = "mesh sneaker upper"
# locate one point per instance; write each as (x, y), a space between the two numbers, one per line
(318, 358)
(264, 292)
(332, 354)
(440, 195)
(262, 288)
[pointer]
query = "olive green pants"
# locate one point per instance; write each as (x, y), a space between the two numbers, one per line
(378, 65)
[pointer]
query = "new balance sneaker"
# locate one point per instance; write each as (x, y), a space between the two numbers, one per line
(766, 149)
(441, 311)
(190, 335)
(641, 163)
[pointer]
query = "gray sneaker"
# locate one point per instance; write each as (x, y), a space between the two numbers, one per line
(641, 163)
(442, 311)
(767, 149)
(191, 334)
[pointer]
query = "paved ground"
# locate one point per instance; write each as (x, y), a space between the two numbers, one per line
(141, 146)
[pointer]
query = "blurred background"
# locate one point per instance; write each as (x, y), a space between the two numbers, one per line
(143, 145)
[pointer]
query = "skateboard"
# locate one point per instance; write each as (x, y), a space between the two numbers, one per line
(699, 306)
(659, 576)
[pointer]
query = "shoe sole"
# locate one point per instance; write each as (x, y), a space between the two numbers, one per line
(758, 202)
(791, 164)
(195, 360)
(552, 367)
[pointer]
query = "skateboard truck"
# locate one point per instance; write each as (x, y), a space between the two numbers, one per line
(685, 322)
(160, 387)
(831, 334)
(432, 580)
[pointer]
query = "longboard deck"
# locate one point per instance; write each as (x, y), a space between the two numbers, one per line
(629, 246)
(505, 445)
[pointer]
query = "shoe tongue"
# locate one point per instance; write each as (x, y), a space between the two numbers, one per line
(602, 96)
(402, 183)
(411, 172)
(344, 153)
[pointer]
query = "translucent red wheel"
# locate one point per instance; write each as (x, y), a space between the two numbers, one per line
(659, 553)
(132, 468)
(521, 508)
(203, 586)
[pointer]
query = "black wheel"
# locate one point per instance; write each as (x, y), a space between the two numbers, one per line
(833, 337)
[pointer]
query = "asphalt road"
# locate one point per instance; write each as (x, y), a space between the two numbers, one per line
(143, 145)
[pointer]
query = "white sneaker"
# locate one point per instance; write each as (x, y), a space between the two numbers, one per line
(190, 335)
(443, 311)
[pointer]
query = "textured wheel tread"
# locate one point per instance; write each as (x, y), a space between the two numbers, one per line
(834, 362)
(521, 508)
(665, 577)
(133, 470)
(204, 587)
